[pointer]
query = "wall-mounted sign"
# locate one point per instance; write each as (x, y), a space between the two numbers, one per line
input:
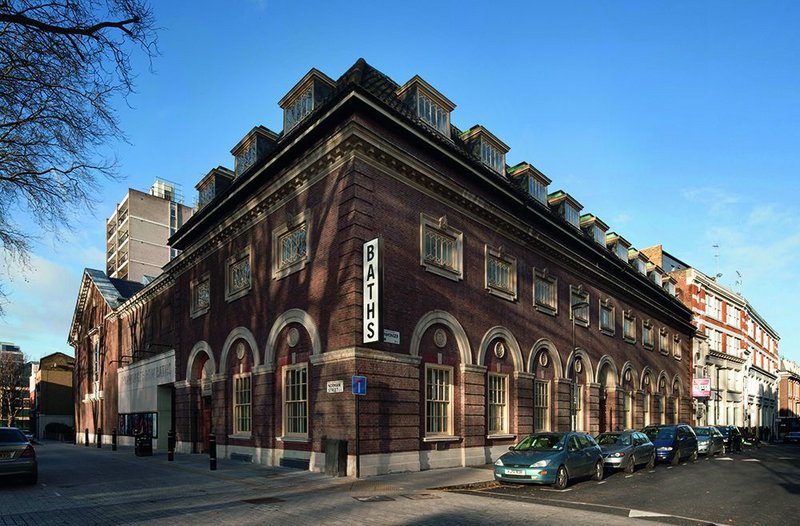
(701, 387)
(391, 336)
(336, 386)
(372, 290)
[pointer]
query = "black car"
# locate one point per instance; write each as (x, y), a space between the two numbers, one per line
(792, 438)
(673, 442)
(732, 437)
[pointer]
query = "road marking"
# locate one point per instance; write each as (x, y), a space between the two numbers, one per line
(723, 458)
(750, 460)
(557, 490)
(628, 476)
(787, 458)
(57, 494)
(637, 513)
(602, 482)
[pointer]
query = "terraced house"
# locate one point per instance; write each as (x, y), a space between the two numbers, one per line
(371, 237)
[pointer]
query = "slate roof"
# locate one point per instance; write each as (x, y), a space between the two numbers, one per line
(114, 291)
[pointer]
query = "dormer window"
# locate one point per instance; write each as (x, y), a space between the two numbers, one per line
(254, 147)
(488, 148)
(595, 228)
(534, 181)
(299, 109)
(655, 275)
(669, 285)
(431, 107)
(637, 262)
(304, 97)
(566, 206)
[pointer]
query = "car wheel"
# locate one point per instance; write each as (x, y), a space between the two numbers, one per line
(652, 462)
(32, 478)
(562, 478)
(598, 470)
(676, 457)
(693, 458)
(631, 467)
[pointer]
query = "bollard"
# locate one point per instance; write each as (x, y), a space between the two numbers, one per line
(86, 437)
(171, 445)
(99, 437)
(212, 451)
(114, 439)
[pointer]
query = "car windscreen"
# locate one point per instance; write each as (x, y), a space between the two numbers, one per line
(11, 435)
(609, 439)
(660, 433)
(702, 431)
(544, 442)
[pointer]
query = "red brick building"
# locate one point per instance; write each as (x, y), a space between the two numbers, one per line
(497, 308)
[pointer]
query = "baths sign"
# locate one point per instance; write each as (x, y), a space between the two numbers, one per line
(372, 290)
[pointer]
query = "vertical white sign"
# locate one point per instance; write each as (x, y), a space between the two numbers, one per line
(372, 292)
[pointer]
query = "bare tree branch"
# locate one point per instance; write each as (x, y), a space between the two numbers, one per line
(62, 63)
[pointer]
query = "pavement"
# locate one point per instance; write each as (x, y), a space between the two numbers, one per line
(81, 485)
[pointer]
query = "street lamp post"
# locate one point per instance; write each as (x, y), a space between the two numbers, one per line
(573, 394)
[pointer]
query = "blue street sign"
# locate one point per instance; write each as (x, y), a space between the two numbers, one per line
(360, 385)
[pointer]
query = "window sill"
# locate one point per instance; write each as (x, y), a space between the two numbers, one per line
(236, 295)
(608, 332)
(502, 293)
(632, 341)
(500, 436)
(299, 440)
(545, 309)
(240, 437)
(442, 438)
(445, 272)
(198, 313)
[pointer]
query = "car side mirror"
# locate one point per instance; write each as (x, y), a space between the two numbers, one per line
(511, 448)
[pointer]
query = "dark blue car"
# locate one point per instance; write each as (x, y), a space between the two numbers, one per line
(673, 442)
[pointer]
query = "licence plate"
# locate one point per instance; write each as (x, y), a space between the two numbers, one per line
(6, 455)
(514, 472)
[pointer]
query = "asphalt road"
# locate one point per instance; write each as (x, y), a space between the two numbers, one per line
(756, 487)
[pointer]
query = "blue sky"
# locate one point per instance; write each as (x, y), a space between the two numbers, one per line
(674, 122)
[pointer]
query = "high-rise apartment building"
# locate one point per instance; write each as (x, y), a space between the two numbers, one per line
(138, 230)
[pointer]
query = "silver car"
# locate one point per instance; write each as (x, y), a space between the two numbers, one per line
(709, 440)
(626, 449)
(17, 456)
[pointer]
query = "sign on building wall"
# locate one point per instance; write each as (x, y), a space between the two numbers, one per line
(701, 387)
(138, 383)
(372, 290)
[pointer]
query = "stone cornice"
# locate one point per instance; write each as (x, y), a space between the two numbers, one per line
(362, 353)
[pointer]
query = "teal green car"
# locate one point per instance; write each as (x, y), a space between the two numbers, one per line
(551, 458)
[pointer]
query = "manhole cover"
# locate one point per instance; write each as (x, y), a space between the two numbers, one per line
(263, 500)
(374, 498)
(422, 496)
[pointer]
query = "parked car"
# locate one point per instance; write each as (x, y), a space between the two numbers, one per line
(709, 440)
(551, 458)
(673, 442)
(626, 450)
(732, 437)
(792, 438)
(17, 456)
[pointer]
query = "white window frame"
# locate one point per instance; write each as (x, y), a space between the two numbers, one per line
(607, 307)
(497, 404)
(441, 399)
(432, 227)
(583, 314)
(196, 309)
(713, 307)
(542, 278)
(541, 407)
(244, 257)
(629, 327)
(243, 404)
(492, 157)
(295, 395)
(677, 352)
(497, 259)
(280, 267)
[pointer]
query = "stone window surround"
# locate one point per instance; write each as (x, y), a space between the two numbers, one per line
(287, 436)
(440, 225)
(605, 305)
(278, 271)
(504, 430)
(584, 296)
(448, 434)
(499, 254)
(194, 311)
(232, 260)
(543, 275)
